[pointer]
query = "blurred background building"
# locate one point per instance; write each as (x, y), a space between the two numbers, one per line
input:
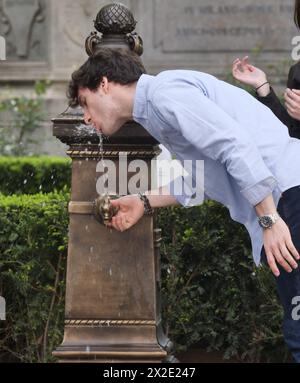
(45, 41)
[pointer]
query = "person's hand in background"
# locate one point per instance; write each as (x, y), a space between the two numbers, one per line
(248, 74)
(292, 102)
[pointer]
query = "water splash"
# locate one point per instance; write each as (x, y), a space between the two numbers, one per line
(83, 129)
(101, 150)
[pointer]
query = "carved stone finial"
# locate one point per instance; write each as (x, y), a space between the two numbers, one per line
(115, 18)
(116, 24)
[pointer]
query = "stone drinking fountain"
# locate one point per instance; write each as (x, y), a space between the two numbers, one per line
(112, 311)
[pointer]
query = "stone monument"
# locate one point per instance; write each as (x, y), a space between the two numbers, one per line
(113, 279)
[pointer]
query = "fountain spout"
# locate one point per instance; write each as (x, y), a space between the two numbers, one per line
(103, 209)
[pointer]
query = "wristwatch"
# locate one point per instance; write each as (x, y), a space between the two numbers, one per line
(147, 207)
(267, 221)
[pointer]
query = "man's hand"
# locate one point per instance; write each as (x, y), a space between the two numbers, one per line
(292, 103)
(278, 244)
(280, 248)
(248, 74)
(131, 210)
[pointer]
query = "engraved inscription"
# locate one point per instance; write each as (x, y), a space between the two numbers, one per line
(227, 26)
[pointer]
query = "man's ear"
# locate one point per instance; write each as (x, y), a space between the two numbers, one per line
(104, 85)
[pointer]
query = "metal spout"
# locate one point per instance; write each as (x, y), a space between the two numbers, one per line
(104, 211)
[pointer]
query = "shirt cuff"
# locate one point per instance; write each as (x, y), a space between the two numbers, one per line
(258, 192)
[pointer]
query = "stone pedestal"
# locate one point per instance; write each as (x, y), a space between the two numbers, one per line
(112, 297)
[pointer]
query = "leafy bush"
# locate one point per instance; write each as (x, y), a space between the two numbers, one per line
(33, 243)
(30, 175)
(213, 296)
(26, 115)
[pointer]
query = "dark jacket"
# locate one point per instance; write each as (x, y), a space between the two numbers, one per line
(273, 102)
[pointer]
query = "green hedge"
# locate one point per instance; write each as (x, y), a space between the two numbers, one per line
(33, 242)
(213, 297)
(212, 293)
(31, 175)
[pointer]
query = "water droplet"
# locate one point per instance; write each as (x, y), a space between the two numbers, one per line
(110, 272)
(91, 249)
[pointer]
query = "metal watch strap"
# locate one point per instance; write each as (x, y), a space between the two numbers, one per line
(272, 217)
(147, 207)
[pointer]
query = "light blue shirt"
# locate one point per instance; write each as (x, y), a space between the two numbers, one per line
(247, 151)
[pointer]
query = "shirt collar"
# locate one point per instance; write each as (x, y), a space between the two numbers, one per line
(141, 98)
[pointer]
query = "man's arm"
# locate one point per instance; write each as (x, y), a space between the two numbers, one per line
(277, 240)
(131, 208)
(161, 197)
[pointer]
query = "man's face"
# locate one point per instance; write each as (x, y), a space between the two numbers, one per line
(100, 108)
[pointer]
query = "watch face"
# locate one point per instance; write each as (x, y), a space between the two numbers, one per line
(266, 221)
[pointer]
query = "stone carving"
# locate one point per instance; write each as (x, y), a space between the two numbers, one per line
(79, 17)
(194, 26)
(18, 20)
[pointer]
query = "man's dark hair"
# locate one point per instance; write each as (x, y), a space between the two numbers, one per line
(118, 65)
